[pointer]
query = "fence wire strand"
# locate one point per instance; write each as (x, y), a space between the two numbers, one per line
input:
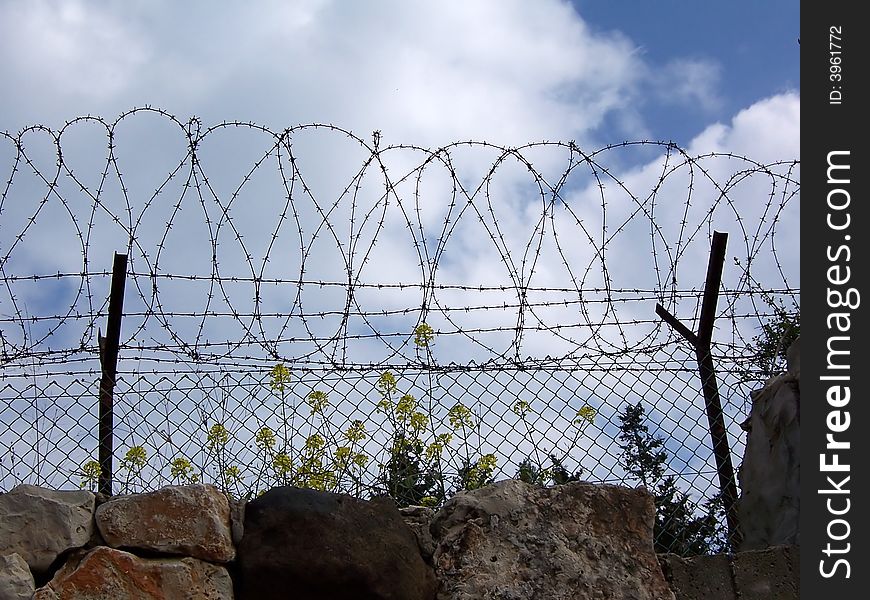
(305, 306)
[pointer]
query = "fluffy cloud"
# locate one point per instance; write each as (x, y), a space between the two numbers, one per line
(421, 72)
(60, 51)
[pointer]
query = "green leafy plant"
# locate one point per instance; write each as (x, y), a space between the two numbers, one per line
(279, 381)
(90, 475)
(181, 471)
(681, 526)
(768, 350)
(426, 460)
(407, 475)
(532, 469)
(229, 477)
(326, 461)
(423, 335)
(475, 475)
(132, 464)
(473, 472)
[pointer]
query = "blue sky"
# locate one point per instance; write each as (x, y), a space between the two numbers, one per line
(713, 77)
(751, 46)
(512, 70)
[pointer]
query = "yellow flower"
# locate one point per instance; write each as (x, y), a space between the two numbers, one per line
(322, 481)
(405, 406)
(218, 436)
(232, 474)
(180, 468)
(460, 416)
(265, 438)
(586, 415)
(282, 464)
(521, 407)
(487, 463)
(317, 400)
(434, 450)
(423, 335)
(356, 432)
(135, 457)
(90, 473)
(387, 382)
(280, 377)
(342, 456)
(315, 442)
(419, 421)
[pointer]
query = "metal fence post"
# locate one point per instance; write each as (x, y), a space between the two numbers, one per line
(702, 343)
(109, 367)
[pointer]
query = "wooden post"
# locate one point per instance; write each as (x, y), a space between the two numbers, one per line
(109, 367)
(702, 342)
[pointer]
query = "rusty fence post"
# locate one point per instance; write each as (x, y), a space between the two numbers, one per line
(702, 342)
(109, 367)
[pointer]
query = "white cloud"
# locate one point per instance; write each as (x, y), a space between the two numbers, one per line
(769, 130)
(422, 73)
(688, 82)
(61, 50)
(426, 74)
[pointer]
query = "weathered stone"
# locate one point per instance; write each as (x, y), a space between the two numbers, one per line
(307, 544)
(190, 520)
(40, 524)
(419, 518)
(699, 577)
(16, 580)
(237, 519)
(108, 574)
(769, 506)
(772, 573)
(516, 541)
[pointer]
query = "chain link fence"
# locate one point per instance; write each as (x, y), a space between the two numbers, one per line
(335, 328)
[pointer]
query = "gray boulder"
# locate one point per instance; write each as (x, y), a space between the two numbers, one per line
(16, 580)
(191, 520)
(515, 541)
(40, 524)
(769, 505)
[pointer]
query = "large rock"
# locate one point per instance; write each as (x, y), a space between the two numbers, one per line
(769, 506)
(40, 524)
(772, 573)
(191, 520)
(304, 544)
(16, 580)
(699, 577)
(516, 541)
(108, 574)
(419, 519)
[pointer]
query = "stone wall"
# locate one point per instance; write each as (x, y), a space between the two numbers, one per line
(508, 541)
(769, 574)
(769, 506)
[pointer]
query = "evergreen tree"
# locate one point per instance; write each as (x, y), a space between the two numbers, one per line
(681, 527)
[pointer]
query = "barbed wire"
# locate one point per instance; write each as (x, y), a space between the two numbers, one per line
(222, 300)
(314, 248)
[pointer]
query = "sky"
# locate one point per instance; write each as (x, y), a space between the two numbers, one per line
(419, 72)
(711, 77)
